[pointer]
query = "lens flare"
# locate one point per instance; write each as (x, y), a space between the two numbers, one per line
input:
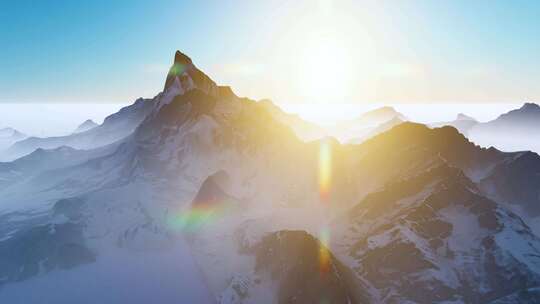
(194, 218)
(325, 169)
(324, 254)
(177, 69)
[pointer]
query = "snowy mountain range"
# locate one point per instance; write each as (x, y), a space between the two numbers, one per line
(200, 196)
(515, 130)
(114, 128)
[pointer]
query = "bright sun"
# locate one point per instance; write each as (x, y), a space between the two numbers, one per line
(325, 70)
(329, 57)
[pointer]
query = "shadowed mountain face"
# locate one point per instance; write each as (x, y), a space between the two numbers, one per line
(516, 181)
(42, 249)
(295, 259)
(224, 188)
(516, 130)
(210, 194)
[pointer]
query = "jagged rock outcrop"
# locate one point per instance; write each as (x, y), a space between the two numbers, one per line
(306, 271)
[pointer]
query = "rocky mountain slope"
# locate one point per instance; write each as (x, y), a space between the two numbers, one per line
(434, 238)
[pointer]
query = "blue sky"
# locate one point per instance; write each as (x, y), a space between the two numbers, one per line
(410, 51)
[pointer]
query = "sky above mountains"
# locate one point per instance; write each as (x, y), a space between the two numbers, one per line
(289, 51)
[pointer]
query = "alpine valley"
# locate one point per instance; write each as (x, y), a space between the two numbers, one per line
(200, 196)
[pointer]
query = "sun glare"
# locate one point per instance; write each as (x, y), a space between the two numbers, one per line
(325, 169)
(324, 254)
(325, 70)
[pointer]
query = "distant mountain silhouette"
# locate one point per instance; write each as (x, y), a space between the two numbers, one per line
(365, 125)
(9, 136)
(380, 115)
(115, 127)
(462, 123)
(383, 127)
(85, 126)
(517, 130)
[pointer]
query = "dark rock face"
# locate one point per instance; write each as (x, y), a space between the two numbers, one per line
(293, 258)
(182, 58)
(184, 67)
(529, 296)
(433, 238)
(41, 249)
(211, 193)
(69, 207)
(517, 181)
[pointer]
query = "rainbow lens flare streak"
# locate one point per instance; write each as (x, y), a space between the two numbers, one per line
(324, 254)
(177, 69)
(194, 218)
(325, 169)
